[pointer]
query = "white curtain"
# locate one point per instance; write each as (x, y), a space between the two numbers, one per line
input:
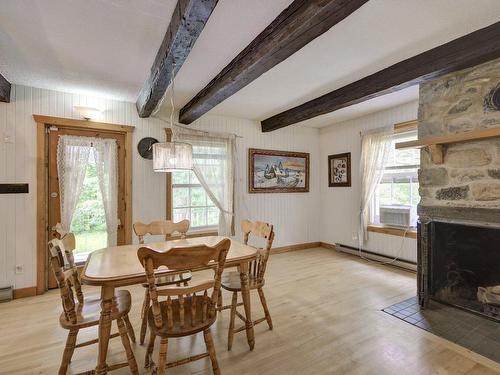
(106, 159)
(73, 155)
(217, 178)
(72, 158)
(375, 148)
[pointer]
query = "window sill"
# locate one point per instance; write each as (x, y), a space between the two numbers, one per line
(393, 231)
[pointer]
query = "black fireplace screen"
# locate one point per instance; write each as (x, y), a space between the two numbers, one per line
(465, 267)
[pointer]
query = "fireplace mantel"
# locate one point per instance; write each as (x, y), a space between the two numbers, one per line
(478, 215)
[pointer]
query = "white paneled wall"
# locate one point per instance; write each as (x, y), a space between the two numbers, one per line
(340, 205)
(295, 215)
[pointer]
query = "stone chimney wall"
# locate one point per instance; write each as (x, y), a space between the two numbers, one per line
(459, 102)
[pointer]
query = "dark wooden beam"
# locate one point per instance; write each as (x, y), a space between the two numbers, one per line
(188, 20)
(472, 49)
(4, 90)
(296, 26)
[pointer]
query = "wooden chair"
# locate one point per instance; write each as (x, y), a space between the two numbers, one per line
(187, 309)
(231, 281)
(85, 312)
(166, 228)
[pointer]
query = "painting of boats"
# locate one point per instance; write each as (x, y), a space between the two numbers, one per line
(273, 171)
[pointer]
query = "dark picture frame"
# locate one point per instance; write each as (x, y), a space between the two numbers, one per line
(339, 170)
(272, 171)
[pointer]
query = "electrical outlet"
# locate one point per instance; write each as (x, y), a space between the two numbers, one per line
(19, 269)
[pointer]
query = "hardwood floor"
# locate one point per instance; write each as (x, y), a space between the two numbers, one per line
(327, 320)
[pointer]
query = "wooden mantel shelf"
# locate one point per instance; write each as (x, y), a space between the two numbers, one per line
(435, 144)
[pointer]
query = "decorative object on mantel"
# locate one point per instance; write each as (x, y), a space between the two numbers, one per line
(145, 147)
(492, 100)
(339, 170)
(271, 171)
(172, 156)
(435, 144)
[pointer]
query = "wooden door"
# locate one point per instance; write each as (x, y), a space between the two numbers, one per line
(53, 199)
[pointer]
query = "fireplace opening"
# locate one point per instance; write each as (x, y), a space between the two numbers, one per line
(465, 267)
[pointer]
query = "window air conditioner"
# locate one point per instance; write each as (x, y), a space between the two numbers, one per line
(395, 215)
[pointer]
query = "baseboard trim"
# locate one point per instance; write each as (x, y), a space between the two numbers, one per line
(300, 246)
(328, 245)
(25, 292)
(404, 264)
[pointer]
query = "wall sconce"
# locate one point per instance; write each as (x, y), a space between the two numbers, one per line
(88, 113)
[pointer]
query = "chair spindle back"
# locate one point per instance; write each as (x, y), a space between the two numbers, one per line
(185, 259)
(68, 280)
(165, 227)
(263, 230)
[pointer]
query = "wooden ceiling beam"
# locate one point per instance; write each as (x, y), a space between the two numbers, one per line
(296, 26)
(469, 50)
(5, 87)
(188, 20)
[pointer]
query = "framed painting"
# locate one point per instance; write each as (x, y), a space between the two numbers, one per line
(271, 171)
(339, 170)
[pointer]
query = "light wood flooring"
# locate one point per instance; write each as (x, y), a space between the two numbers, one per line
(326, 309)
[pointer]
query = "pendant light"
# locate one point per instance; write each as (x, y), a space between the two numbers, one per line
(172, 156)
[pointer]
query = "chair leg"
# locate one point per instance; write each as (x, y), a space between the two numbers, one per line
(230, 334)
(209, 342)
(130, 329)
(68, 351)
(144, 316)
(219, 301)
(148, 362)
(132, 364)
(264, 306)
(162, 363)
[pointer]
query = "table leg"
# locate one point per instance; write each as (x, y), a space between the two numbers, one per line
(107, 301)
(245, 294)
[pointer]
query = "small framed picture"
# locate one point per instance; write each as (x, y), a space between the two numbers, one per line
(339, 170)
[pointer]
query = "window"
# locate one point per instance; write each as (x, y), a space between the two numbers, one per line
(189, 199)
(397, 194)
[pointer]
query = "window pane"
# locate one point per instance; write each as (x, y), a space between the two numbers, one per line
(212, 216)
(180, 214)
(180, 197)
(198, 217)
(180, 177)
(401, 193)
(384, 194)
(415, 197)
(198, 197)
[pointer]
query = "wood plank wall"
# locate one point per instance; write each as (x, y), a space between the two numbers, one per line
(294, 214)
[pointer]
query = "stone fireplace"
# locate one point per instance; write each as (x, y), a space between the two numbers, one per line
(459, 211)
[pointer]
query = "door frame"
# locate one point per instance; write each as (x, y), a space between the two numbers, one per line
(42, 125)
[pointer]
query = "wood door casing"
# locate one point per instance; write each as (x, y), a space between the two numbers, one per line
(54, 204)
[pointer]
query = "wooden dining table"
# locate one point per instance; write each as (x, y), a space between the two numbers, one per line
(118, 266)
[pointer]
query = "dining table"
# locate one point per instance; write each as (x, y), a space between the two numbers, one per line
(118, 266)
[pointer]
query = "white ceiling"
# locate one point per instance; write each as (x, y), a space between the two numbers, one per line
(100, 47)
(106, 47)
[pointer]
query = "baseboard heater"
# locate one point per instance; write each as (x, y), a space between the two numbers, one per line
(401, 263)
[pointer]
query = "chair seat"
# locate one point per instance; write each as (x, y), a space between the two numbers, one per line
(231, 281)
(188, 328)
(88, 315)
(172, 279)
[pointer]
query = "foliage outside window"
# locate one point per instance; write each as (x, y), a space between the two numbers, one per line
(398, 188)
(89, 221)
(190, 201)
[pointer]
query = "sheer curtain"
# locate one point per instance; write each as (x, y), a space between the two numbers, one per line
(106, 159)
(73, 154)
(72, 158)
(217, 177)
(375, 148)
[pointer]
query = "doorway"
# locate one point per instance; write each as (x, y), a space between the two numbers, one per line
(87, 189)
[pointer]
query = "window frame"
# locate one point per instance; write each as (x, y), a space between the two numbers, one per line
(399, 128)
(193, 232)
